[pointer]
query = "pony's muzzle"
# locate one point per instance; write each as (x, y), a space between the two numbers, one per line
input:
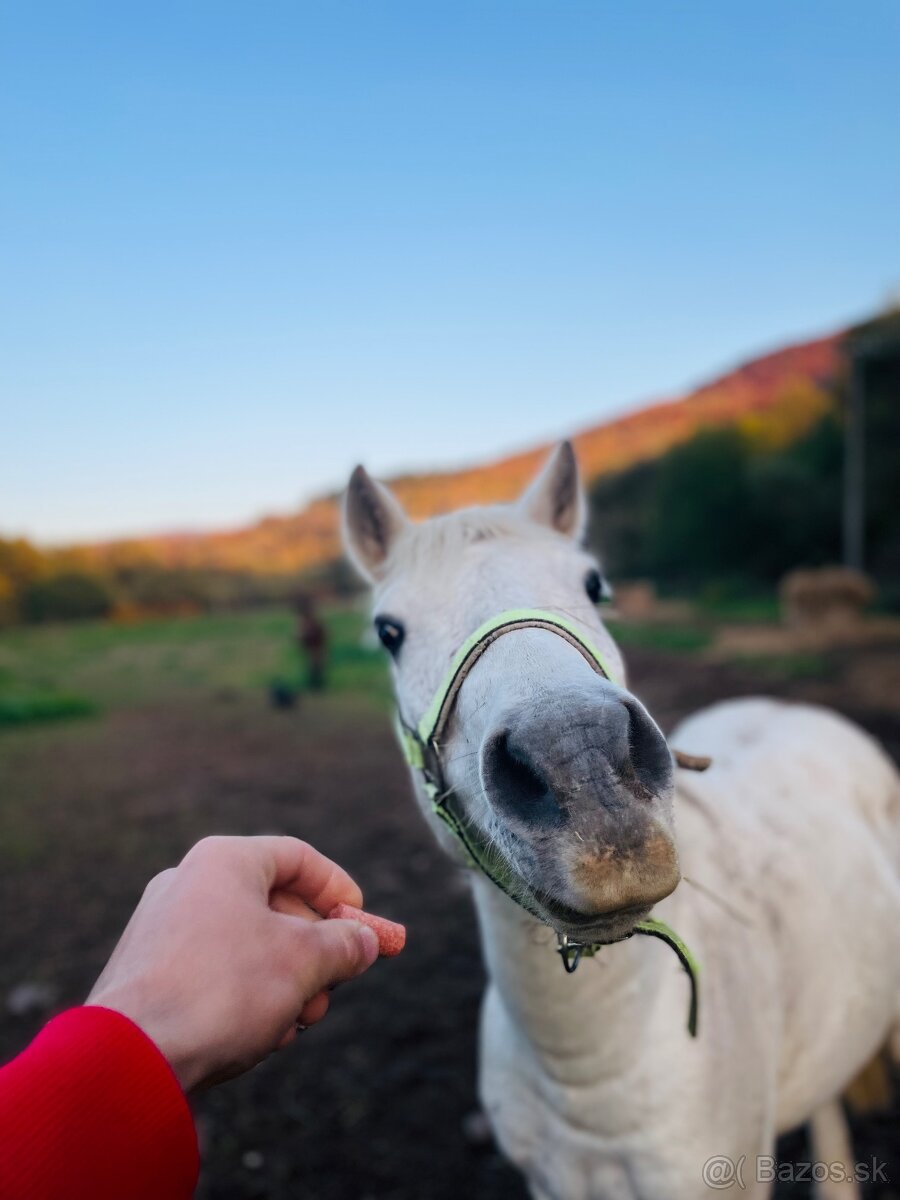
(584, 784)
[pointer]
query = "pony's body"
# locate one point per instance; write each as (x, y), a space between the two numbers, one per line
(592, 1084)
(789, 847)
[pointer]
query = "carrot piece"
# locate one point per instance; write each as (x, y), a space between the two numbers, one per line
(391, 936)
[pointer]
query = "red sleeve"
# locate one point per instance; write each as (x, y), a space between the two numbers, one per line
(92, 1111)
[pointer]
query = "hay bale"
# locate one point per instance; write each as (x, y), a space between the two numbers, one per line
(636, 600)
(826, 598)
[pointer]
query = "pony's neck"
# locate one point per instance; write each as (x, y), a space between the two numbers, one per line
(580, 1027)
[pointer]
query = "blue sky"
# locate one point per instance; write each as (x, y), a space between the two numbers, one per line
(247, 245)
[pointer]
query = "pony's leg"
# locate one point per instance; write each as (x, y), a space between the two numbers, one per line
(871, 1089)
(894, 1042)
(831, 1145)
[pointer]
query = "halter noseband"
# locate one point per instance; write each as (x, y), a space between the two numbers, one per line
(422, 747)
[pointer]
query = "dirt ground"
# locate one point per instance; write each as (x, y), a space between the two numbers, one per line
(372, 1103)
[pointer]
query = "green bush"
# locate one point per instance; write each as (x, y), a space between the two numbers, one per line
(23, 710)
(719, 508)
(69, 596)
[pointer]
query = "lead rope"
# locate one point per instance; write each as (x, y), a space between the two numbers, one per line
(571, 954)
(420, 747)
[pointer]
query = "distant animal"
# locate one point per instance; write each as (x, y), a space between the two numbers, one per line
(281, 694)
(312, 640)
(566, 793)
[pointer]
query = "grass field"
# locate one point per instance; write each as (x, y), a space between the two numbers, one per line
(48, 672)
(86, 669)
(83, 669)
(676, 639)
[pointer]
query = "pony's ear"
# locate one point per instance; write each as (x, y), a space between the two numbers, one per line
(372, 520)
(555, 496)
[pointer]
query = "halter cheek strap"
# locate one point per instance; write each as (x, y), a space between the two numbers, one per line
(422, 747)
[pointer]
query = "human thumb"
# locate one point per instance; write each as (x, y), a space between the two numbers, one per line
(335, 951)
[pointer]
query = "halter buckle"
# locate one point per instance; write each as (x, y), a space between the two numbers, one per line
(570, 953)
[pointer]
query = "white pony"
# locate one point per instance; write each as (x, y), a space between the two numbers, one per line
(591, 1081)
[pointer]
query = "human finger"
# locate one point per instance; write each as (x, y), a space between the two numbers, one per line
(314, 1009)
(292, 906)
(293, 866)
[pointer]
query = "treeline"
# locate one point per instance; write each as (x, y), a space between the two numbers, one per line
(732, 508)
(736, 507)
(38, 586)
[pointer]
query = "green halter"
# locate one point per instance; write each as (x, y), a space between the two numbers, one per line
(422, 748)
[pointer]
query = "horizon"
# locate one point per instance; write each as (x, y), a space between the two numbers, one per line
(425, 470)
(255, 251)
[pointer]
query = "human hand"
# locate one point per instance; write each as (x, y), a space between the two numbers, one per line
(227, 952)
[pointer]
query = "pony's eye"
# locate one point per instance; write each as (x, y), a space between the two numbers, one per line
(597, 588)
(390, 633)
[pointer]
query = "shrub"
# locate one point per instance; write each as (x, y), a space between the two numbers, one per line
(69, 596)
(23, 710)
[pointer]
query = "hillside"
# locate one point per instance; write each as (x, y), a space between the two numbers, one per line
(763, 387)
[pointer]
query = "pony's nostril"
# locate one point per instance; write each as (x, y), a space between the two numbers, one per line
(650, 758)
(513, 784)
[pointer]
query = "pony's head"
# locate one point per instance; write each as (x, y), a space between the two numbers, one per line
(560, 770)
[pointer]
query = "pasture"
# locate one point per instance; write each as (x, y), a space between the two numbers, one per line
(154, 734)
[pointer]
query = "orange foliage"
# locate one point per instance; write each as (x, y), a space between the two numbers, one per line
(774, 398)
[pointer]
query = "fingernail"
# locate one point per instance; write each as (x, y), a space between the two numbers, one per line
(369, 943)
